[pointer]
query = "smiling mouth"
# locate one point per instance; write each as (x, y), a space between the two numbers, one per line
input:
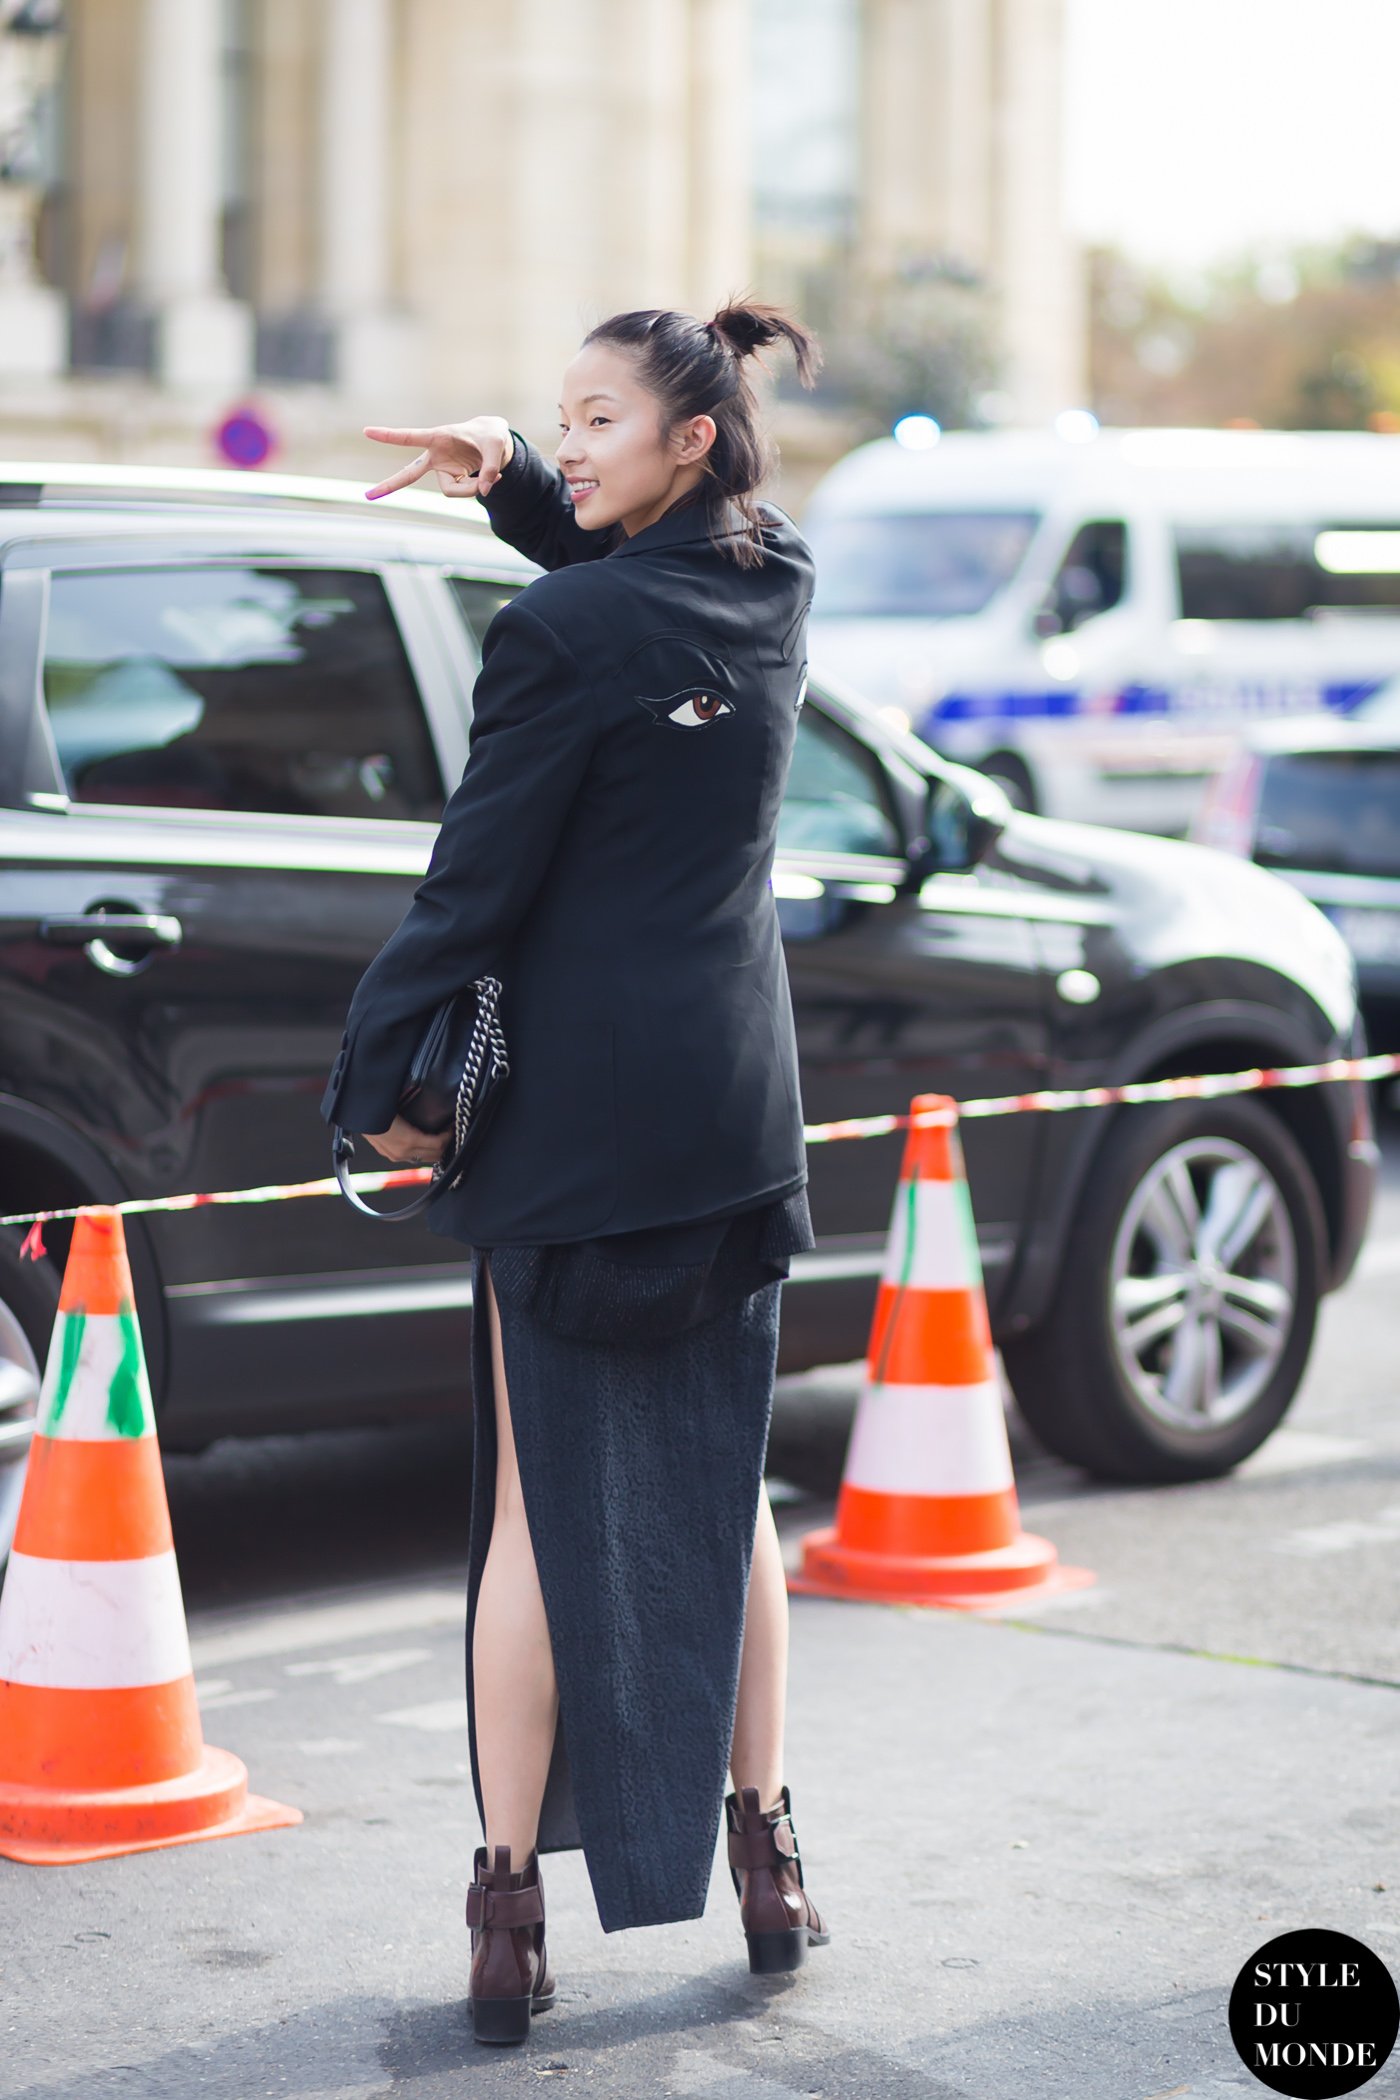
(580, 489)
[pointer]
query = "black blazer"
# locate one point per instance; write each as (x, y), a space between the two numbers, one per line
(607, 856)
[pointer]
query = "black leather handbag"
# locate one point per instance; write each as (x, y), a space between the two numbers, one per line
(454, 1083)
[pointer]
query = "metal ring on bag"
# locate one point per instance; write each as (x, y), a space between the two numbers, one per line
(487, 1047)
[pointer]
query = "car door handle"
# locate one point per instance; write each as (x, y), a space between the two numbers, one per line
(140, 933)
(134, 929)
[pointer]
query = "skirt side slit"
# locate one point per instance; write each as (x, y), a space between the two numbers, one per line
(558, 1821)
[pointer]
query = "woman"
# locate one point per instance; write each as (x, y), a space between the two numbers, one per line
(633, 1205)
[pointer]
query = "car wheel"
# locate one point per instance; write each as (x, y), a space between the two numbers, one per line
(1185, 1309)
(28, 1304)
(1013, 776)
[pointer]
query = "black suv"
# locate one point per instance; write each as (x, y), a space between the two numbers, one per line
(230, 709)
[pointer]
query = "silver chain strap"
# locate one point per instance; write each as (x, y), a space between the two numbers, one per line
(487, 1043)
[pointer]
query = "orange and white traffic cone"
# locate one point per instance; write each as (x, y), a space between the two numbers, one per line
(101, 1749)
(927, 1512)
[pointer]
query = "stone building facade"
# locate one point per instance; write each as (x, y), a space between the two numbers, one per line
(350, 210)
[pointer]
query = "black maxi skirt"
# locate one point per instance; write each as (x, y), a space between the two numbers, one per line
(641, 1465)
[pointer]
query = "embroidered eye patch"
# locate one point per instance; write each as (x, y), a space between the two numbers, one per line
(693, 707)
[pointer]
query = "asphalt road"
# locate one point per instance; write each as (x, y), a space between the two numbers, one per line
(1046, 1842)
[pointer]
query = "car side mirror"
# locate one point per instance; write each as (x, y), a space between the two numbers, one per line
(962, 824)
(1046, 620)
(1075, 596)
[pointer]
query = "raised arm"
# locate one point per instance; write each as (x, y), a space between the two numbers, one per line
(533, 730)
(525, 497)
(530, 507)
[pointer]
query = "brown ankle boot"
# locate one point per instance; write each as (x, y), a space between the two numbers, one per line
(779, 1918)
(510, 1976)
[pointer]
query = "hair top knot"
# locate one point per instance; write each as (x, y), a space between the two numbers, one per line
(745, 329)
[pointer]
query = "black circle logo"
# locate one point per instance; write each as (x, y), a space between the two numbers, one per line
(1314, 2013)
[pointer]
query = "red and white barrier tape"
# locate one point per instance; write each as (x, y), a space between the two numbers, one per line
(1199, 1087)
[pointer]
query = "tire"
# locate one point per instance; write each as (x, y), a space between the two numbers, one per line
(1013, 776)
(28, 1304)
(1118, 1377)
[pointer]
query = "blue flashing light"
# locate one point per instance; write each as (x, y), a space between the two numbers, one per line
(917, 433)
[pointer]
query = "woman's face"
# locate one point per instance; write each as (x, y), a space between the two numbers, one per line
(612, 451)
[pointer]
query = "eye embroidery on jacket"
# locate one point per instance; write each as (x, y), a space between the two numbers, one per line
(691, 708)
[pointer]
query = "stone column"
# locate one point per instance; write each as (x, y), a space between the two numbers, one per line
(203, 338)
(32, 322)
(905, 94)
(376, 346)
(1036, 263)
(564, 159)
(927, 149)
(641, 149)
(961, 157)
(287, 97)
(720, 154)
(967, 143)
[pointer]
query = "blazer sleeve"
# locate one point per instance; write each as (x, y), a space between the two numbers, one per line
(530, 508)
(533, 731)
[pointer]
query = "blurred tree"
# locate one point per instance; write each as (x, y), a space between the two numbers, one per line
(1308, 341)
(918, 342)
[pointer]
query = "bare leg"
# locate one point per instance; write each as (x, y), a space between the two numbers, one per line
(757, 1755)
(515, 1694)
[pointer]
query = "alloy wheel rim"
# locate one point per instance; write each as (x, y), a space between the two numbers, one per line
(1203, 1284)
(19, 1401)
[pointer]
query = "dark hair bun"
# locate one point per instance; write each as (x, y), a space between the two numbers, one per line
(749, 326)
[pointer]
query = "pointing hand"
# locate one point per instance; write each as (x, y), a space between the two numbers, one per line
(468, 458)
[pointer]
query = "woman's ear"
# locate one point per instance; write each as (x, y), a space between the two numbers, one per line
(692, 439)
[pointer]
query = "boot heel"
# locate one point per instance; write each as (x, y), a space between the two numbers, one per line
(774, 1953)
(500, 2019)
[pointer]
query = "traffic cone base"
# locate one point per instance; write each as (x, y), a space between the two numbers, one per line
(101, 1749)
(40, 1827)
(927, 1512)
(1029, 1567)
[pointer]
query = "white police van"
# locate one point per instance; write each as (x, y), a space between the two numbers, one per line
(1091, 615)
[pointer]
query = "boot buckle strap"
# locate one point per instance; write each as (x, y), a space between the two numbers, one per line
(762, 1848)
(503, 1907)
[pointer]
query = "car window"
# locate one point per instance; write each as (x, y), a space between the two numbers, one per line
(836, 798)
(479, 601)
(237, 687)
(931, 565)
(1092, 576)
(1337, 811)
(1248, 571)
